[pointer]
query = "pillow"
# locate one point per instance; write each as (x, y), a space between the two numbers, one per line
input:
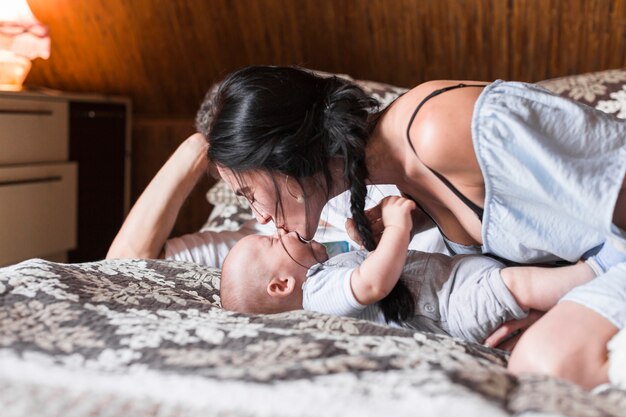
(229, 212)
(384, 93)
(227, 217)
(604, 90)
(221, 194)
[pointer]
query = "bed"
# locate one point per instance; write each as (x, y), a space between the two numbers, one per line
(148, 338)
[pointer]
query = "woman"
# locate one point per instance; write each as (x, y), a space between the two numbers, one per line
(475, 158)
(506, 167)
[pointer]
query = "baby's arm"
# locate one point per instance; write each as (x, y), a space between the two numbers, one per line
(540, 288)
(374, 279)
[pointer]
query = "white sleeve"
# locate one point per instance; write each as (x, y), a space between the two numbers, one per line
(209, 248)
(329, 291)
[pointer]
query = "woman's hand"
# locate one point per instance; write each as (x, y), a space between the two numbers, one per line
(507, 335)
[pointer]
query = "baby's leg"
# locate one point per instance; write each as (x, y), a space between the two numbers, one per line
(475, 300)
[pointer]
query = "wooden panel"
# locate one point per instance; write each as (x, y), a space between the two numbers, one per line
(166, 54)
(154, 140)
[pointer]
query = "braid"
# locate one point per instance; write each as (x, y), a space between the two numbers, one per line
(358, 192)
(399, 304)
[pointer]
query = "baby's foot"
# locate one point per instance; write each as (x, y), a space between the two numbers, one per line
(613, 252)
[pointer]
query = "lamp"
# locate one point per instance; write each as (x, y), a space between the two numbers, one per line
(22, 38)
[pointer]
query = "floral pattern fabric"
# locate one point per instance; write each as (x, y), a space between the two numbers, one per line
(148, 338)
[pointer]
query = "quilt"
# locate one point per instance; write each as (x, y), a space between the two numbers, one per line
(148, 338)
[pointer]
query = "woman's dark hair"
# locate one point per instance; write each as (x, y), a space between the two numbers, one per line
(289, 120)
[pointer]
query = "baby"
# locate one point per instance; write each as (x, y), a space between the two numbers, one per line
(466, 296)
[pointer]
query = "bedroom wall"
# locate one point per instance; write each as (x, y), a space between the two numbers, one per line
(165, 54)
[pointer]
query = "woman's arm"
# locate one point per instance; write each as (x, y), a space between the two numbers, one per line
(152, 218)
(541, 288)
(374, 279)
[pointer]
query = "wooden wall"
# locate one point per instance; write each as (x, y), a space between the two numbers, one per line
(165, 54)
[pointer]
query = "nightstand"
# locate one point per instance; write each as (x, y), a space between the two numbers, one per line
(64, 174)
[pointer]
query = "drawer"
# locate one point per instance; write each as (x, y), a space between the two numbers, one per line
(33, 131)
(37, 211)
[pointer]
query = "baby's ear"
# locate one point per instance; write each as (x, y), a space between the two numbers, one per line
(281, 286)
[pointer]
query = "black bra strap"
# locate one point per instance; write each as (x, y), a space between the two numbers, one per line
(469, 203)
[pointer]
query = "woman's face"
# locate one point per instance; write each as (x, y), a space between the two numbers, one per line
(263, 191)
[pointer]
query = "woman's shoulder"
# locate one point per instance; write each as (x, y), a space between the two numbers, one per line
(436, 118)
(435, 98)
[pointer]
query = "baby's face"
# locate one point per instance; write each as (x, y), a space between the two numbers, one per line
(286, 253)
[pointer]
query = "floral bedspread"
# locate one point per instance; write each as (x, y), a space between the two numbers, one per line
(147, 338)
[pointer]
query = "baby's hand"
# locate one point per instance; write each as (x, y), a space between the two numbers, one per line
(396, 212)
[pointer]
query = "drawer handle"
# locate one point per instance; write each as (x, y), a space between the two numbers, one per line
(27, 112)
(31, 181)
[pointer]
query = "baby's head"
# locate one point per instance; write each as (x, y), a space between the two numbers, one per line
(264, 274)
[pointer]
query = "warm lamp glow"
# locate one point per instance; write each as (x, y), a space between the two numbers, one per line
(22, 38)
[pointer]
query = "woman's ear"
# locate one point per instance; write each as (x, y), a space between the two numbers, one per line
(281, 286)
